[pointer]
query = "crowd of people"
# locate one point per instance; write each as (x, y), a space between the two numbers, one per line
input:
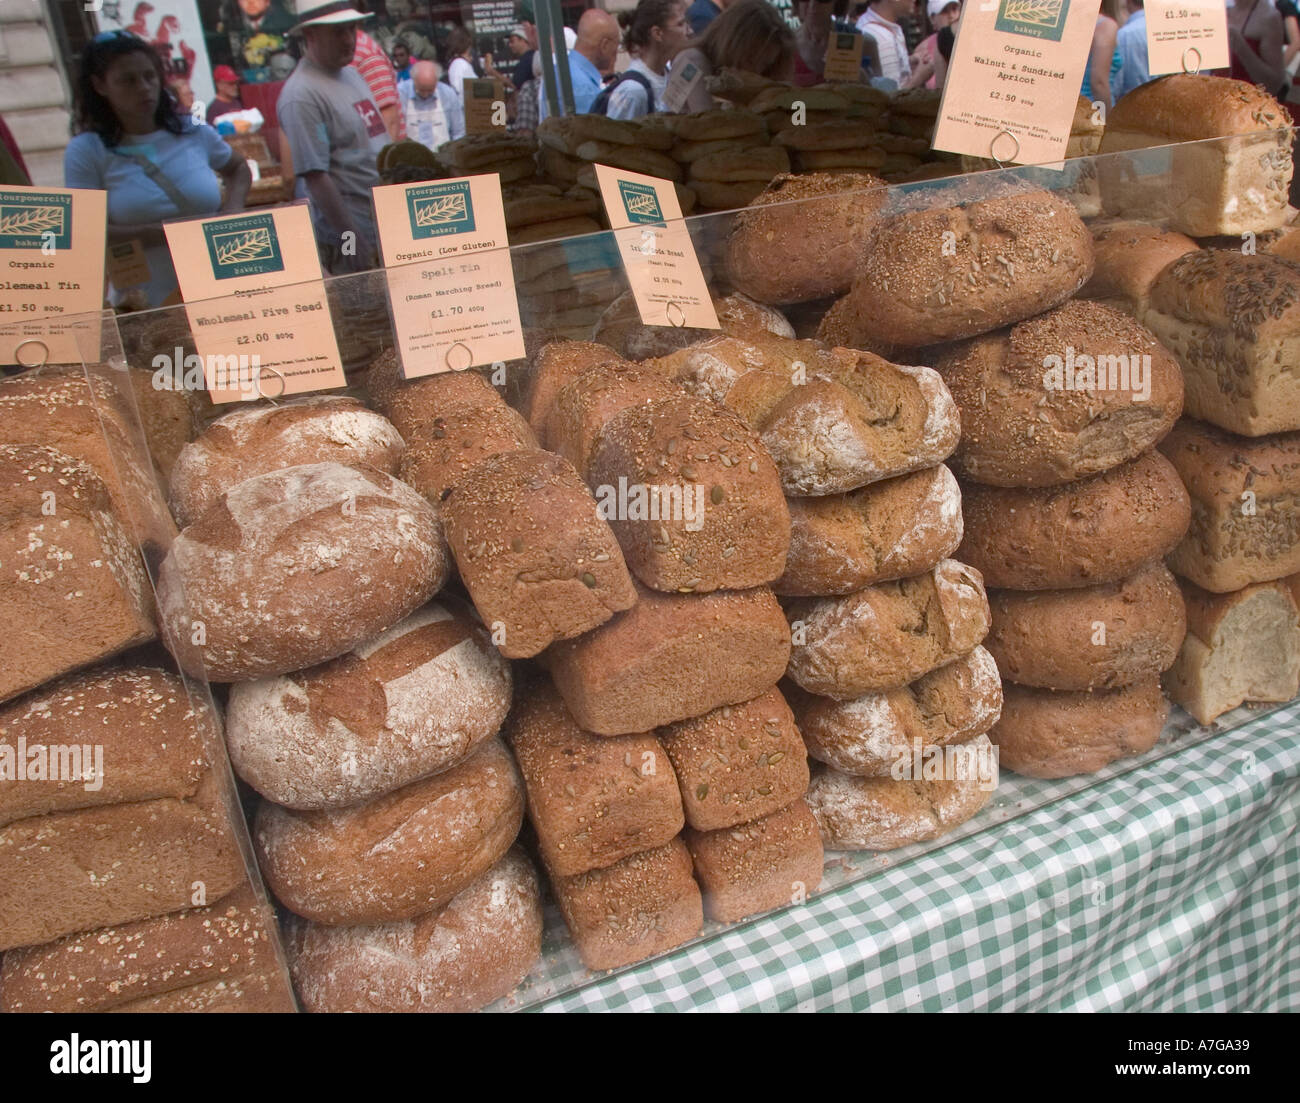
(347, 98)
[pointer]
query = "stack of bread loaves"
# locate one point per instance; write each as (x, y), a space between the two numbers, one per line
(363, 712)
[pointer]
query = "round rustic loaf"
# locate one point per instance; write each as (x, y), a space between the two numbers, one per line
(1030, 414)
(943, 273)
(401, 855)
(473, 951)
(294, 567)
(1099, 637)
(258, 439)
(413, 701)
(1085, 533)
(803, 237)
(1043, 733)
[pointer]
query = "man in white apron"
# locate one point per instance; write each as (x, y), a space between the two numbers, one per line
(432, 110)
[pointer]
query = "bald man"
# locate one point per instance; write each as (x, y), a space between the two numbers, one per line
(592, 56)
(432, 111)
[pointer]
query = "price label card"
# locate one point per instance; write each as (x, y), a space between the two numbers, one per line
(127, 265)
(656, 250)
(1186, 36)
(485, 106)
(1017, 67)
(269, 333)
(51, 270)
(844, 57)
(450, 280)
(682, 80)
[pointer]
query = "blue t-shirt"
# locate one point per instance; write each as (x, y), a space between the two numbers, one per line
(189, 160)
(587, 85)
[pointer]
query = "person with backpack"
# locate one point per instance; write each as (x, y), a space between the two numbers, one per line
(653, 34)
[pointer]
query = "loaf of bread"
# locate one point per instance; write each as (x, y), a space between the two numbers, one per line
(711, 367)
(942, 273)
(399, 855)
(712, 514)
(756, 866)
(110, 812)
(1097, 637)
(1231, 320)
(737, 763)
(1243, 494)
(1056, 398)
(258, 439)
(1242, 646)
(671, 657)
(74, 589)
(884, 813)
(621, 328)
(886, 635)
(1086, 533)
(867, 735)
(460, 438)
(593, 800)
(218, 958)
(411, 702)
(83, 416)
(886, 530)
(637, 908)
(707, 126)
(414, 406)
(537, 560)
(557, 364)
(1043, 733)
(1223, 187)
(1129, 257)
(457, 958)
(168, 417)
(294, 567)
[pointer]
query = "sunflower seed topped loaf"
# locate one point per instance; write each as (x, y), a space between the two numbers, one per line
(296, 567)
(1077, 390)
(258, 439)
(1245, 496)
(456, 440)
(557, 364)
(415, 405)
(74, 589)
(1233, 322)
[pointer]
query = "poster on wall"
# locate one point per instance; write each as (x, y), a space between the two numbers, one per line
(174, 28)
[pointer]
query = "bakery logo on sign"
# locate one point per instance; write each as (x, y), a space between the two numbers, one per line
(35, 220)
(977, 762)
(245, 246)
(642, 502)
(439, 209)
(1033, 18)
(640, 202)
(62, 763)
(1077, 371)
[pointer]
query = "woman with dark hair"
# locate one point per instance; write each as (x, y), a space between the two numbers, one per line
(155, 162)
(460, 60)
(750, 35)
(653, 34)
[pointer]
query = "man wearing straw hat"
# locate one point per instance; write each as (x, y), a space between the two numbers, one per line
(335, 132)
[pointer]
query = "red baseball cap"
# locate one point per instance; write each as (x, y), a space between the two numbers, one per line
(225, 74)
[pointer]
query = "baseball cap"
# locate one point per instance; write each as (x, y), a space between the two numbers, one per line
(934, 7)
(315, 14)
(224, 74)
(518, 31)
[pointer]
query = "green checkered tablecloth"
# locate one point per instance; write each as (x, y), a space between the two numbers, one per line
(1172, 887)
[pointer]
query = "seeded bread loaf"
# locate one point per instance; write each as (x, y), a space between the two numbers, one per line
(414, 406)
(637, 908)
(455, 959)
(295, 567)
(756, 866)
(887, 635)
(1245, 497)
(1097, 530)
(1067, 394)
(1242, 646)
(537, 560)
(1059, 734)
(884, 813)
(593, 800)
(621, 328)
(135, 818)
(1233, 322)
(886, 530)
(218, 958)
(671, 657)
(557, 364)
(443, 451)
(867, 735)
(737, 763)
(399, 855)
(258, 439)
(74, 589)
(1129, 257)
(943, 273)
(1097, 637)
(715, 517)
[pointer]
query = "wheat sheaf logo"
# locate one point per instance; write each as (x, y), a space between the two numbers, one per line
(246, 246)
(640, 202)
(1033, 18)
(439, 209)
(31, 220)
